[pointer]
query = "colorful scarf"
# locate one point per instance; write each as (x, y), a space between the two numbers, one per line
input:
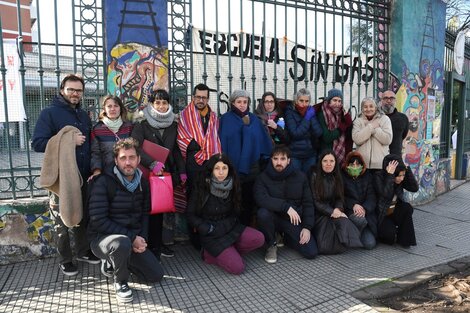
(190, 127)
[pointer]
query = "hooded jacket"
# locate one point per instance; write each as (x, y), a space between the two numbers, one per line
(386, 188)
(360, 190)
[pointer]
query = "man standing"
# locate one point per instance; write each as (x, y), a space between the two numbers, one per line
(198, 132)
(65, 110)
(399, 122)
(285, 205)
(119, 209)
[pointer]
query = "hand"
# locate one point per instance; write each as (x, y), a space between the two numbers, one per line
(392, 165)
(139, 245)
(337, 213)
(359, 210)
(272, 124)
(294, 216)
(304, 236)
(310, 113)
(79, 139)
(96, 172)
(158, 168)
(374, 124)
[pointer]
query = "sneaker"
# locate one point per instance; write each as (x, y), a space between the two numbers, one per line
(68, 269)
(89, 258)
(271, 254)
(279, 240)
(123, 292)
(166, 252)
(107, 269)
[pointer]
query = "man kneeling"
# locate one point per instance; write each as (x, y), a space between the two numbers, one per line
(285, 205)
(119, 206)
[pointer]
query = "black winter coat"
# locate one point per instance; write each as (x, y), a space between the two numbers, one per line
(303, 134)
(126, 213)
(360, 190)
(278, 192)
(174, 163)
(218, 213)
(386, 187)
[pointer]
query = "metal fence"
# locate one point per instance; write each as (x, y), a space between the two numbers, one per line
(260, 46)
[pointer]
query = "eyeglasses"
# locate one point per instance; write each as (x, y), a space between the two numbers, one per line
(388, 98)
(73, 90)
(203, 98)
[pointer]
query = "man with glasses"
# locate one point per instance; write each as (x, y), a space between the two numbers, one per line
(198, 133)
(399, 122)
(65, 110)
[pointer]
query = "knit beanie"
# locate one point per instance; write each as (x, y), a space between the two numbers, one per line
(334, 93)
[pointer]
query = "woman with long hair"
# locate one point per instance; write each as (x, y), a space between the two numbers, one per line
(334, 232)
(160, 127)
(213, 210)
(111, 127)
(272, 117)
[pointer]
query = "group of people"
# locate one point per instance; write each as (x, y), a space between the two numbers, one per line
(273, 177)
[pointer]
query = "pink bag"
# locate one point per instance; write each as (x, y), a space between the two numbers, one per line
(161, 193)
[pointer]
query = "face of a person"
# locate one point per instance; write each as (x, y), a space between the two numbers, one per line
(201, 99)
(280, 162)
(303, 101)
(388, 101)
(220, 171)
(112, 109)
(161, 105)
(336, 104)
(398, 179)
(369, 109)
(241, 103)
(127, 162)
(328, 163)
(269, 104)
(72, 91)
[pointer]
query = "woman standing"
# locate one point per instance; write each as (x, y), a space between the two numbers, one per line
(304, 130)
(247, 143)
(372, 133)
(334, 232)
(395, 215)
(111, 127)
(213, 209)
(160, 127)
(272, 118)
(336, 126)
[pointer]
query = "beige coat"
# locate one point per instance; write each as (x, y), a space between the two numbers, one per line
(60, 175)
(372, 143)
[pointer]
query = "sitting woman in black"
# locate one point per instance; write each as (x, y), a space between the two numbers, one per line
(214, 210)
(395, 215)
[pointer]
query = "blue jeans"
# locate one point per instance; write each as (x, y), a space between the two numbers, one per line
(270, 222)
(303, 164)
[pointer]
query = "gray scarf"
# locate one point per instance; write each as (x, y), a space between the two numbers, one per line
(130, 185)
(159, 120)
(221, 189)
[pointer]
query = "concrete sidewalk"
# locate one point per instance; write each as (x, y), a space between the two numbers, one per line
(293, 284)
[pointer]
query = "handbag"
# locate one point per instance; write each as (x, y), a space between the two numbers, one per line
(161, 194)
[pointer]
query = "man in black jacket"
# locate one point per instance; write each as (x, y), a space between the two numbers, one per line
(285, 205)
(399, 121)
(119, 221)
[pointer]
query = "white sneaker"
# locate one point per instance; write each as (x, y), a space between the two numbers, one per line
(123, 292)
(271, 255)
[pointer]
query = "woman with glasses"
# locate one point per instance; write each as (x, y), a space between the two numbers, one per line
(160, 127)
(395, 215)
(272, 117)
(111, 127)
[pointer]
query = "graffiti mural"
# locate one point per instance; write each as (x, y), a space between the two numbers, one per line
(137, 45)
(420, 95)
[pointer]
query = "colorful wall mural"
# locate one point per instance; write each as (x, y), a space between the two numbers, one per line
(137, 50)
(417, 41)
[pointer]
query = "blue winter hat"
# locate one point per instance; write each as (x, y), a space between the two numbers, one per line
(334, 93)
